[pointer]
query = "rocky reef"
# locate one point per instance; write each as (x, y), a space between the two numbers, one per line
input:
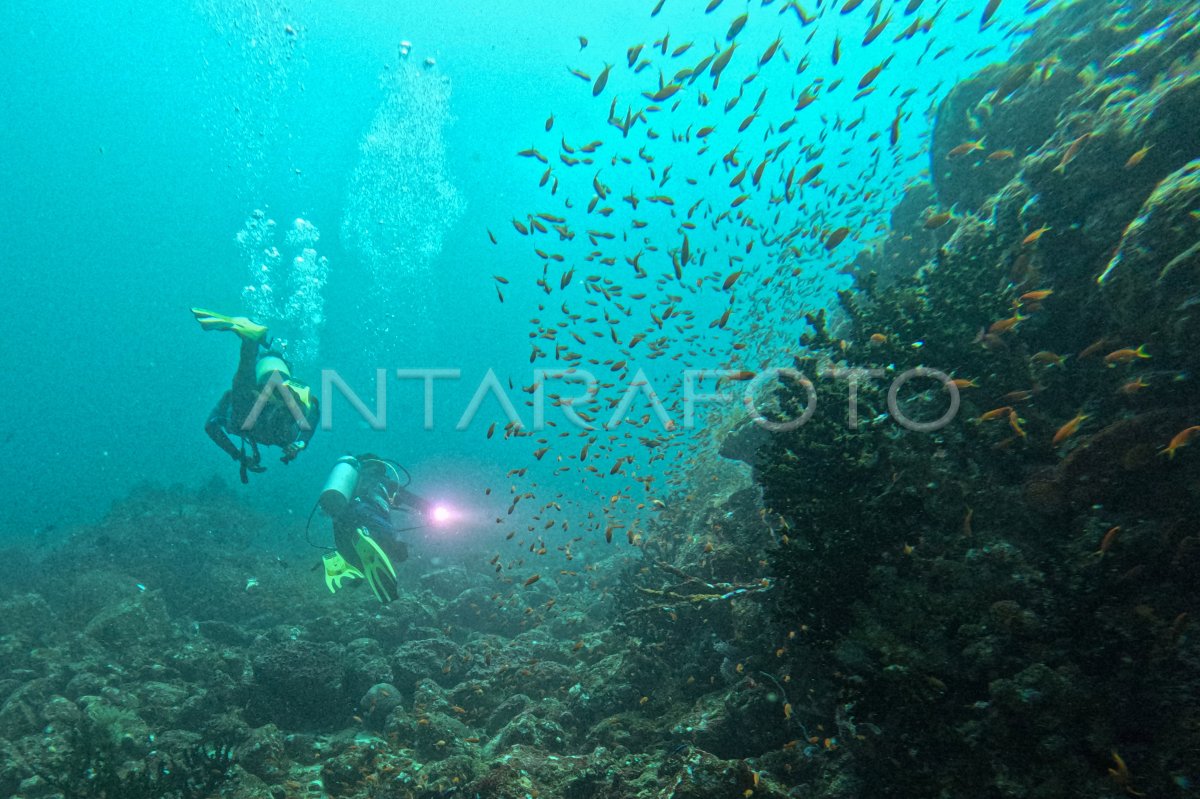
(130, 672)
(1003, 606)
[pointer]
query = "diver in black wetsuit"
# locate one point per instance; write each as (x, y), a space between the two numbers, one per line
(363, 496)
(265, 406)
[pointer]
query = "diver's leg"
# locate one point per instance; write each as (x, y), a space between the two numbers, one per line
(217, 424)
(245, 384)
(395, 549)
(344, 536)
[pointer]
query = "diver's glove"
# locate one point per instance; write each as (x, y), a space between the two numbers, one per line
(291, 451)
(249, 464)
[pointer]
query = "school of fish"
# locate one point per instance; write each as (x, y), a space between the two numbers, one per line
(706, 242)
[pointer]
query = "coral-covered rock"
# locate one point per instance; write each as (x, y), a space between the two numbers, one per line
(28, 616)
(506, 711)
(532, 729)
(366, 665)
(415, 660)
(377, 704)
(1151, 281)
(263, 754)
(21, 713)
(449, 582)
(299, 684)
(474, 609)
(1009, 110)
(161, 703)
(140, 619)
(224, 632)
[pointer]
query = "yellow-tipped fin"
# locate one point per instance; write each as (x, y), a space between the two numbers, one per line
(241, 325)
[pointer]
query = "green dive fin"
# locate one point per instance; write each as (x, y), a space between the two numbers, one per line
(337, 570)
(377, 568)
(238, 324)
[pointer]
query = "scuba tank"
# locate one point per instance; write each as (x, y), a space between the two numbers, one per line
(339, 487)
(268, 364)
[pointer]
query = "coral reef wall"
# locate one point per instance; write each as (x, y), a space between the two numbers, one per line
(1006, 605)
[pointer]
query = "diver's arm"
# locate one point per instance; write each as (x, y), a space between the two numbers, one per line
(215, 426)
(312, 416)
(403, 498)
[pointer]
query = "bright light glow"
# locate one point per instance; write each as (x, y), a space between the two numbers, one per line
(442, 514)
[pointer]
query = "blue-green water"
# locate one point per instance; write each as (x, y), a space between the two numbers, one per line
(128, 167)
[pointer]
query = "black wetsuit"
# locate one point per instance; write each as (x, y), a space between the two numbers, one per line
(276, 426)
(370, 508)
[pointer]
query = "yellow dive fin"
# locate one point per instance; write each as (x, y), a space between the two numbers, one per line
(337, 569)
(377, 568)
(238, 324)
(303, 393)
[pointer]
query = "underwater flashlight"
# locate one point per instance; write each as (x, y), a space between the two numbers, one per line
(443, 514)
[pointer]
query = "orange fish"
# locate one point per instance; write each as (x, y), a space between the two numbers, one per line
(769, 53)
(1036, 296)
(1014, 422)
(875, 30)
(1000, 155)
(1069, 429)
(1093, 348)
(1181, 439)
(1126, 355)
(1132, 387)
(1033, 237)
(666, 92)
(1006, 325)
(836, 237)
(1107, 541)
(1071, 152)
(997, 413)
(965, 149)
(1137, 157)
(601, 81)
(988, 12)
(532, 580)
(873, 73)
(722, 61)
(938, 220)
(736, 26)
(1047, 358)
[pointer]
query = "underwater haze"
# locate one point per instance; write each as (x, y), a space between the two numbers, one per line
(649, 398)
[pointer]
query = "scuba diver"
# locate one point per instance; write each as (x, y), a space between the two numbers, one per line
(265, 405)
(363, 496)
